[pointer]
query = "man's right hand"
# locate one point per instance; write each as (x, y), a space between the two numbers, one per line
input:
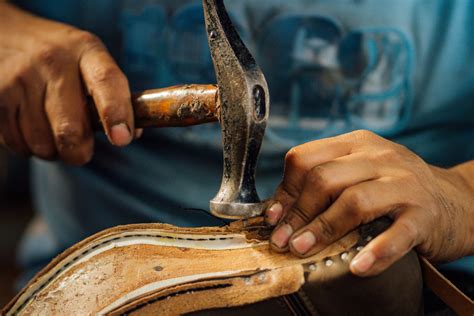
(46, 71)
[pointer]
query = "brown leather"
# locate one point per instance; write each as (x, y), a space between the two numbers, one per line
(160, 269)
(459, 302)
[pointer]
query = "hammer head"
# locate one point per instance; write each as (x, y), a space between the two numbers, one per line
(244, 98)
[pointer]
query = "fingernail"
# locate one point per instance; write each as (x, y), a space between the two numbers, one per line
(120, 134)
(273, 214)
(363, 262)
(138, 133)
(304, 242)
(281, 236)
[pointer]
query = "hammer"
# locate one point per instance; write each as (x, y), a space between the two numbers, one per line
(240, 102)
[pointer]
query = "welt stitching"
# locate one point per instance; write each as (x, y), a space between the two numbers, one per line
(108, 241)
(84, 253)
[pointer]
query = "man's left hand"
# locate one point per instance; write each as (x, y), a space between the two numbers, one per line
(332, 186)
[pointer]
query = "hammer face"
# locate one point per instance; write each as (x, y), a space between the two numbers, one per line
(244, 97)
(235, 210)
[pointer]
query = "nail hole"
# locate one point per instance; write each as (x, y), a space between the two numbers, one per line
(158, 268)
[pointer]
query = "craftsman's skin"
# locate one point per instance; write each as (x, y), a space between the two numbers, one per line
(330, 186)
(333, 185)
(46, 70)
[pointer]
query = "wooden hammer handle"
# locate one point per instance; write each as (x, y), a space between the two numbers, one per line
(183, 105)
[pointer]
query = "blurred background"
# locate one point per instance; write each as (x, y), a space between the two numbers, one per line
(16, 212)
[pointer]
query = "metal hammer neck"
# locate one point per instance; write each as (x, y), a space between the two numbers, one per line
(244, 112)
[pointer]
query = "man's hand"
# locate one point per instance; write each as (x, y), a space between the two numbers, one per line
(46, 71)
(332, 186)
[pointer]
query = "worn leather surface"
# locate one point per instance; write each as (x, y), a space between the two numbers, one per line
(160, 269)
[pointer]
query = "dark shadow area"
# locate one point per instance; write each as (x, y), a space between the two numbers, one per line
(16, 212)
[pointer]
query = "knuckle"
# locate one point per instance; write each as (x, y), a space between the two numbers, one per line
(391, 250)
(69, 136)
(353, 212)
(325, 228)
(291, 155)
(51, 57)
(319, 179)
(88, 39)
(387, 251)
(290, 189)
(105, 74)
(410, 231)
(363, 135)
(299, 213)
(108, 111)
(384, 155)
(294, 159)
(21, 75)
(48, 54)
(315, 178)
(112, 112)
(412, 186)
(354, 202)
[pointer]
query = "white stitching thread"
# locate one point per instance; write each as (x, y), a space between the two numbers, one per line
(86, 252)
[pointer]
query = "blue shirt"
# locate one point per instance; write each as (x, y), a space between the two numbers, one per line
(404, 69)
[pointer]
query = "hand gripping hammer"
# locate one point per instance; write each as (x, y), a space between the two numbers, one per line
(240, 102)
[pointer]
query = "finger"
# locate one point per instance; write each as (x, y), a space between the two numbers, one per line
(68, 115)
(390, 246)
(301, 159)
(11, 99)
(109, 89)
(308, 155)
(274, 213)
(298, 161)
(356, 205)
(322, 185)
(33, 121)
